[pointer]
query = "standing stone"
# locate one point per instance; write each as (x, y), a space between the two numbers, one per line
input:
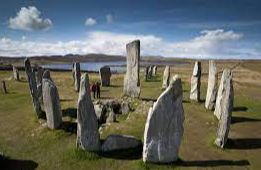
(51, 102)
(88, 137)
(225, 96)
(164, 125)
(16, 73)
(105, 75)
(150, 72)
(166, 77)
(195, 82)
(132, 79)
(111, 117)
(147, 72)
(39, 78)
(212, 86)
(33, 88)
(73, 74)
(3, 87)
(125, 108)
(154, 70)
(224, 107)
(77, 76)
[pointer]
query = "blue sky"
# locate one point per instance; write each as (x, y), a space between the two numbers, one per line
(172, 28)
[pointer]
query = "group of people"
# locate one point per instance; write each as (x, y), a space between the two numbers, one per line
(96, 90)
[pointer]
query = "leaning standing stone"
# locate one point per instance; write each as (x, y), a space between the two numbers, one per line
(225, 96)
(16, 73)
(212, 86)
(33, 88)
(164, 126)
(224, 107)
(77, 76)
(52, 105)
(88, 137)
(132, 79)
(195, 82)
(166, 77)
(105, 75)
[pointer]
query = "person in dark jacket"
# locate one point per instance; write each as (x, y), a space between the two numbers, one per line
(98, 90)
(94, 88)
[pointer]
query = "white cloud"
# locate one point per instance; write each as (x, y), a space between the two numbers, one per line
(209, 44)
(28, 19)
(90, 22)
(109, 18)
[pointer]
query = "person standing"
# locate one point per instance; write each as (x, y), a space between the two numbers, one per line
(98, 90)
(94, 89)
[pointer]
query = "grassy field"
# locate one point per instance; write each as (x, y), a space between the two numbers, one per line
(27, 144)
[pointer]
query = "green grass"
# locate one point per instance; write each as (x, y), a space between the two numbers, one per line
(23, 138)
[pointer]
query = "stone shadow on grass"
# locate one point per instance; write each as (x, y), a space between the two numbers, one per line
(14, 164)
(236, 119)
(244, 143)
(148, 99)
(124, 154)
(240, 109)
(70, 127)
(207, 163)
(212, 163)
(71, 112)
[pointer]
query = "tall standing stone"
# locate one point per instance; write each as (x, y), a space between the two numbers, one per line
(16, 73)
(164, 125)
(166, 77)
(154, 70)
(51, 103)
(150, 72)
(105, 75)
(195, 82)
(77, 76)
(224, 107)
(225, 95)
(73, 74)
(88, 137)
(147, 73)
(3, 85)
(39, 78)
(33, 88)
(132, 79)
(212, 86)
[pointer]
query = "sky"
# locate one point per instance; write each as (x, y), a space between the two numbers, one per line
(218, 29)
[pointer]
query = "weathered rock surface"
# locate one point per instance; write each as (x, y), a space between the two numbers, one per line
(164, 125)
(224, 107)
(88, 137)
(3, 87)
(120, 142)
(147, 73)
(225, 96)
(125, 108)
(101, 113)
(154, 70)
(195, 82)
(51, 103)
(212, 86)
(16, 73)
(77, 76)
(39, 79)
(111, 116)
(33, 88)
(105, 75)
(132, 80)
(166, 77)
